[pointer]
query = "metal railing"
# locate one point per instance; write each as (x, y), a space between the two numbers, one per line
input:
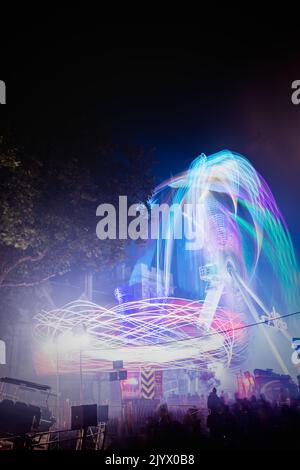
(89, 438)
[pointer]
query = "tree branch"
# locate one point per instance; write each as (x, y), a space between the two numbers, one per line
(24, 259)
(26, 284)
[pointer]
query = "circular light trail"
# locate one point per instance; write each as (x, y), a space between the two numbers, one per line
(162, 332)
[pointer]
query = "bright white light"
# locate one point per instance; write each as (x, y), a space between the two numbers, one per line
(49, 347)
(81, 341)
(191, 348)
(164, 332)
(65, 343)
(131, 381)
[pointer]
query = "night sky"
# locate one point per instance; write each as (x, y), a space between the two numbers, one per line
(178, 90)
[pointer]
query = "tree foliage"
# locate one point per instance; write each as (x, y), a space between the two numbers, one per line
(48, 208)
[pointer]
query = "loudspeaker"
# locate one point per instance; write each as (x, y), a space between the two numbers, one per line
(83, 416)
(122, 374)
(113, 376)
(18, 418)
(117, 364)
(103, 413)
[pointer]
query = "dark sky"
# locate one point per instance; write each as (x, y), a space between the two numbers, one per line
(178, 89)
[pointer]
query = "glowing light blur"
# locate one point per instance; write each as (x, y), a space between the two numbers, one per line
(239, 221)
(240, 267)
(161, 332)
(241, 257)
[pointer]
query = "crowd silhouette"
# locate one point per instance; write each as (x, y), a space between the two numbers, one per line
(243, 423)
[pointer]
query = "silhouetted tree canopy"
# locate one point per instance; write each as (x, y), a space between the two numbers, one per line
(48, 207)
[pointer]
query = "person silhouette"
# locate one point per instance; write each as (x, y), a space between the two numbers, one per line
(213, 401)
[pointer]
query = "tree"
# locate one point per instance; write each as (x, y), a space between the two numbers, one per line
(48, 209)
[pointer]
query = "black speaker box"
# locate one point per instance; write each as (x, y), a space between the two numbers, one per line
(18, 418)
(122, 374)
(83, 416)
(117, 365)
(113, 376)
(103, 413)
